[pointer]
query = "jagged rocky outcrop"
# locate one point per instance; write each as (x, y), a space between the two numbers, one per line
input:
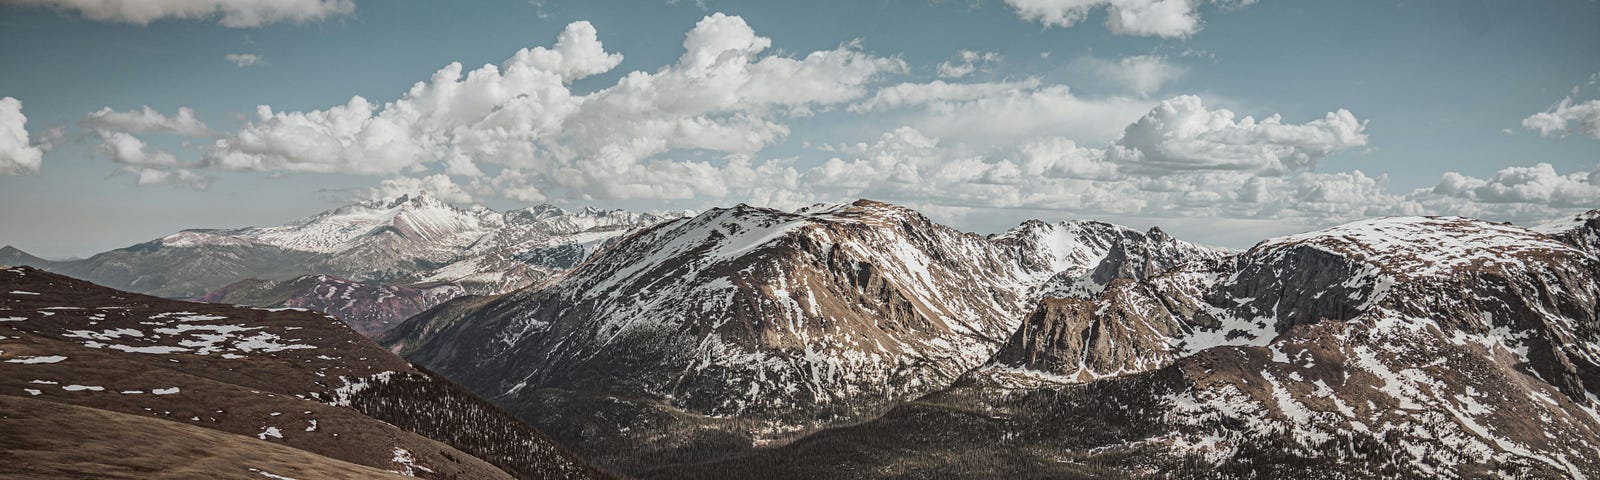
(534, 243)
(370, 309)
(743, 325)
(103, 383)
(1393, 347)
(414, 238)
(1087, 255)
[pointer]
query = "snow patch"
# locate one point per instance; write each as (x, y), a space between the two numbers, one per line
(37, 360)
(269, 432)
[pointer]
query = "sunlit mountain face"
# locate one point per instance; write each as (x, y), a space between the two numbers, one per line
(759, 239)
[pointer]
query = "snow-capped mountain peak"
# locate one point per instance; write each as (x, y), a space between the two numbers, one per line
(535, 213)
(408, 238)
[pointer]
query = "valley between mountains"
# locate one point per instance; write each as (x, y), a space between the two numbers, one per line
(411, 337)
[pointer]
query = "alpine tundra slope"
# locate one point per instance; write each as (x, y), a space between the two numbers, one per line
(100, 383)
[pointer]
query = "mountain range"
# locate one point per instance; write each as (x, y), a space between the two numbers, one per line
(373, 263)
(746, 326)
(412, 238)
(865, 340)
(1396, 347)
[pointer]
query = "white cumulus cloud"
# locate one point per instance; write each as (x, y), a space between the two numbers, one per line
(1161, 18)
(1538, 184)
(1181, 134)
(127, 149)
(1152, 18)
(967, 62)
(17, 155)
(1525, 195)
(1058, 174)
(228, 13)
(1567, 116)
(177, 176)
(522, 129)
(1008, 113)
(147, 164)
(1055, 13)
(693, 133)
(1181, 160)
(438, 185)
(146, 120)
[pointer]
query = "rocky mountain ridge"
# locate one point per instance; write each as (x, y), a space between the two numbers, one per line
(746, 325)
(863, 340)
(1392, 347)
(370, 309)
(413, 238)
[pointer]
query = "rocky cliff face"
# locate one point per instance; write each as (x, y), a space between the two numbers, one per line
(774, 320)
(1408, 265)
(1086, 256)
(1455, 334)
(1396, 347)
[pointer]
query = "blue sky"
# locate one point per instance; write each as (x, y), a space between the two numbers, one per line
(1443, 108)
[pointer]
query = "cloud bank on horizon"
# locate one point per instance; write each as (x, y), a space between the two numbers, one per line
(699, 129)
